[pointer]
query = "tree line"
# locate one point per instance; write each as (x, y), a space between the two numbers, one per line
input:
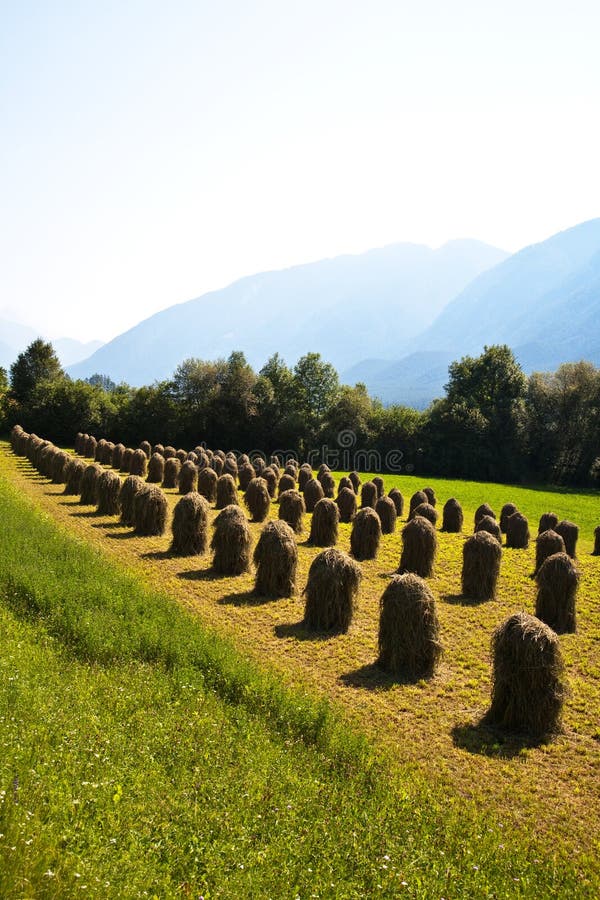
(493, 422)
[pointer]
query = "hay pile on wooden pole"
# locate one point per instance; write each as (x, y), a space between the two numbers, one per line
(569, 532)
(430, 493)
(126, 460)
(156, 469)
(355, 479)
(547, 544)
(386, 510)
(328, 484)
(227, 493)
(99, 451)
(324, 524)
(426, 511)
(481, 566)
(548, 522)
(276, 559)
(378, 482)
(90, 447)
(258, 499)
(158, 448)
(417, 499)
(344, 482)
(486, 523)
(409, 630)
(419, 546)
(139, 463)
(109, 489)
(259, 465)
(331, 591)
(398, 501)
(74, 474)
(231, 542)
(146, 448)
(304, 476)
(207, 483)
(188, 478)
(596, 550)
(190, 525)
(292, 509)
(230, 467)
(150, 510)
(59, 465)
(169, 452)
(271, 477)
(217, 464)
(509, 509)
(286, 483)
(484, 510)
(313, 492)
(558, 583)
(346, 501)
(245, 475)
(131, 486)
(181, 455)
(171, 473)
(78, 445)
(368, 495)
(452, 516)
(527, 681)
(89, 485)
(323, 469)
(365, 535)
(117, 456)
(517, 532)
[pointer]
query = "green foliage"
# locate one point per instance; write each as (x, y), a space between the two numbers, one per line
(102, 381)
(37, 363)
(60, 408)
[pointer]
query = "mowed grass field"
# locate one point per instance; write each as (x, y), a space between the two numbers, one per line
(544, 799)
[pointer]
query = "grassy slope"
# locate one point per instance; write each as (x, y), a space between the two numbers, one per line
(407, 710)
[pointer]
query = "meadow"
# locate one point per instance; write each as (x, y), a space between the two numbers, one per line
(390, 786)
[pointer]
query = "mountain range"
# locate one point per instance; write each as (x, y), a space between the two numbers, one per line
(14, 338)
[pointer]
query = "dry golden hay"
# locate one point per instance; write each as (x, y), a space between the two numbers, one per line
(203, 460)
(378, 482)
(481, 566)
(491, 526)
(386, 510)
(90, 447)
(304, 476)
(158, 448)
(291, 469)
(190, 525)
(426, 511)
(292, 509)
(286, 483)
(231, 542)
(365, 534)
(368, 495)
(207, 483)
(77, 445)
(417, 499)
(216, 464)
(75, 470)
(409, 630)
(227, 494)
(569, 532)
(126, 461)
(484, 510)
(109, 489)
(323, 469)
(46, 459)
(59, 467)
(327, 482)
(172, 473)
(271, 477)
(546, 544)
(509, 509)
(150, 510)
(398, 501)
(169, 452)
(324, 524)
(596, 550)
(346, 501)
(242, 460)
(181, 455)
(209, 455)
(192, 457)
(21, 439)
(276, 559)
(258, 499)
(139, 463)
(313, 492)
(89, 484)
(548, 522)
(344, 482)
(221, 454)
(331, 591)
(259, 466)
(117, 456)
(131, 486)
(355, 479)
(188, 478)
(528, 689)
(108, 453)
(245, 475)
(517, 532)
(419, 545)
(146, 446)
(99, 450)
(430, 493)
(230, 467)
(156, 469)
(452, 516)
(558, 583)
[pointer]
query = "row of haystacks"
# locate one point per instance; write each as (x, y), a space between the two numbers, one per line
(528, 685)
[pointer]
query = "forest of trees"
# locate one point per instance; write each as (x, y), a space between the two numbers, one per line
(494, 422)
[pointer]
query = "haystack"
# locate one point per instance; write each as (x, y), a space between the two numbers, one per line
(132, 485)
(227, 493)
(59, 464)
(355, 479)
(409, 630)
(89, 484)
(313, 492)
(344, 482)
(547, 544)
(365, 535)
(139, 463)
(207, 483)
(245, 475)
(169, 452)
(426, 511)
(276, 559)
(484, 510)
(150, 510)
(452, 516)
(286, 483)
(258, 499)
(368, 495)
(190, 525)
(419, 545)
(90, 447)
(548, 522)
(398, 501)
(481, 566)
(558, 582)
(156, 469)
(217, 464)
(386, 510)
(509, 509)
(304, 476)
(231, 542)
(378, 482)
(188, 478)
(569, 532)
(109, 489)
(126, 459)
(146, 446)
(487, 523)
(430, 493)
(292, 509)
(271, 477)
(324, 524)
(117, 456)
(417, 499)
(517, 532)
(74, 474)
(346, 501)
(596, 550)
(328, 484)
(331, 591)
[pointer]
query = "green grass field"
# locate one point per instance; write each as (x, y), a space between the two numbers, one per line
(147, 754)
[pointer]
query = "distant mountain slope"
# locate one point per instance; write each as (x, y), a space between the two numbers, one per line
(14, 338)
(345, 308)
(544, 302)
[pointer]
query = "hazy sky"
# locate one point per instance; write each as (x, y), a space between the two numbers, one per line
(151, 151)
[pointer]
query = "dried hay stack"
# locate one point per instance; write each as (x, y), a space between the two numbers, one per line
(190, 525)
(207, 483)
(547, 544)
(484, 510)
(139, 463)
(517, 532)
(486, 523)
(346, 501)
(430, 493)
(569, 532)
(426, 511)
(548, 522)
(245, 475)
(378, 482)
(419, 545)
(558, 583)
(368, 495)
(328, 484)
(258, 499)
(313, 492)
(355, 479)
(386, 510)
(509, 509)
(398, 501)
(156, 469)
(417, 499)
(409, 630)
(132, 485)
(188, 478)
(276, 559)
(231, 542)
(146, 447)
(150, 509)
(324, 524)
(481, 566)
(292, 509)
(365, 535)
(74, 474)
(286, 483)
(89, 485)
(109, 489)
(331, 591)
(227, 494)
(452, 516)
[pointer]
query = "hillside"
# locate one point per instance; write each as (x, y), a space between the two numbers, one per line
(14, 338)
(345, 308)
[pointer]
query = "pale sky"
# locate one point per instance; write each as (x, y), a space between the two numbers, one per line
(151, 151)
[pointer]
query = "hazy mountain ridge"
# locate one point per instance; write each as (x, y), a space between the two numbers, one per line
(14, 338)
(374, 302)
